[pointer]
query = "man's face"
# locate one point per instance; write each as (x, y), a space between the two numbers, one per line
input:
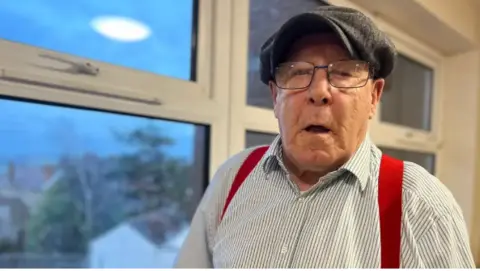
(343, 112)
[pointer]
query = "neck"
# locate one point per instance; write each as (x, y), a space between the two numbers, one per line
(308, 177)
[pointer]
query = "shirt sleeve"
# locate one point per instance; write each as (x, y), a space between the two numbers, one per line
(195, 252)
(196, 249)
(434, 232)
(445, 244)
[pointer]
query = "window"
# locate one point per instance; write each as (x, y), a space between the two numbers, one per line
(407, 97)
(253, 139)
(105, 160)
(426, 160)
(80, 108)
(85, 188)
(152, 36)
(265, 18)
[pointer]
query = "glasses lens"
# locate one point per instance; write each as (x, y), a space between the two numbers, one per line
(294, 75)
(348, 74)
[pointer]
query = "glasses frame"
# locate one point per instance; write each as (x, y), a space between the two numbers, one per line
(326, 67)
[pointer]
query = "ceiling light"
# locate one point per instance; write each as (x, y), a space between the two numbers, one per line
(121, 28)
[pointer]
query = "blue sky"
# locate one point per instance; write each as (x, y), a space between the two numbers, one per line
(40, 133)
(64, 26)
(36, 133)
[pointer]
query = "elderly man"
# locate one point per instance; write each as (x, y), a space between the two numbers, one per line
(322, 195)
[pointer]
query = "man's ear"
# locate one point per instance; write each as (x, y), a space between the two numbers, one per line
(377, 92)
(274, 94)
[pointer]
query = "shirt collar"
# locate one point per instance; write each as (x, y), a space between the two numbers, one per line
(273, 158)
(359, 164)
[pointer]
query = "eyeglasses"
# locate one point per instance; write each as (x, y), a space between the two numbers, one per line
(340, 74)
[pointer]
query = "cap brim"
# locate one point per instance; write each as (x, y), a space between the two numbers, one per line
(301, 26)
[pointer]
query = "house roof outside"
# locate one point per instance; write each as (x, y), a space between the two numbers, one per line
(159, 228)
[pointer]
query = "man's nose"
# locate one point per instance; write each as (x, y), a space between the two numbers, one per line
(319, 91)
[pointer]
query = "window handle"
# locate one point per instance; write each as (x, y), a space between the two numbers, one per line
(80, 68)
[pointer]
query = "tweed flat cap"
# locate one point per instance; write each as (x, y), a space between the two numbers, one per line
(360, 36)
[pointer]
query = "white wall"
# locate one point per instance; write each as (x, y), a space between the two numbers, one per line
(460, 15)
(457, 152)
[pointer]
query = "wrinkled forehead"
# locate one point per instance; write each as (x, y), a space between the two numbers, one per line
(324, 45)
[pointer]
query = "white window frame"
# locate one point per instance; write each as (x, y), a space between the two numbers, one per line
(242, 116)
(398, 136)
(204, 101)
(250, 118)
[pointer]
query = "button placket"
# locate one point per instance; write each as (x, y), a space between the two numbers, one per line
(287, 248)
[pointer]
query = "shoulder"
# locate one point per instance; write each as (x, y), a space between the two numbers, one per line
(425, 197)
(213, 200)
(227, 171)
(219, 186)
(435, 220)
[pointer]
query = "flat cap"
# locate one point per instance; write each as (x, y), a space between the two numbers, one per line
(358, 33)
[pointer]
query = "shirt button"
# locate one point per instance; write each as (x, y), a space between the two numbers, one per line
(284, 250)
(301, 199)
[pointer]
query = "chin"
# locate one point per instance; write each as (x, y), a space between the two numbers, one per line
(310, 151)
(315, 158)
(309, 159)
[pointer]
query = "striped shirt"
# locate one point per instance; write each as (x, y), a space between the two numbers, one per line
(335, 224)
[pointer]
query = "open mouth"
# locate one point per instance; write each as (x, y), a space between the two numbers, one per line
(317, 129)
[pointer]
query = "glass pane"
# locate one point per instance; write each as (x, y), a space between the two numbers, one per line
(266, 16)
(84, 188)
(407, 97)
(150, 35)
(253, 139)
(426, 160)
